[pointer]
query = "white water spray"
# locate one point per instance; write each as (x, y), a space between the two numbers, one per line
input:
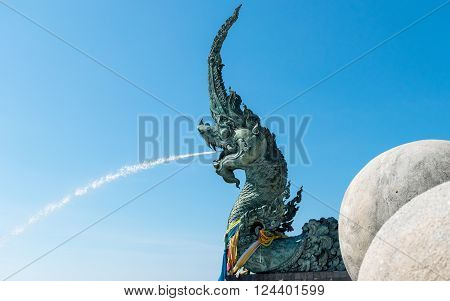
(95, 184)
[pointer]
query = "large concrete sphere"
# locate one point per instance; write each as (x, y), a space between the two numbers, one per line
(384, 185)
(414, 244)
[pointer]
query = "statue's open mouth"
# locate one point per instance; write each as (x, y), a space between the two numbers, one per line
(224, 153)
(227, 162)
(226, 159)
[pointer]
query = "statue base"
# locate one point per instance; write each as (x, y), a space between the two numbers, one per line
(299, 276)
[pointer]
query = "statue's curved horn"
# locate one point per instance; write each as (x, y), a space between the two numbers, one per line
(218, 95)
(255, 129)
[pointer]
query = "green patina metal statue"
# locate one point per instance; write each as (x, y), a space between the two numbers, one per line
(255, 239)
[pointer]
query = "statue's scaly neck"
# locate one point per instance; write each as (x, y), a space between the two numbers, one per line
(265, 182)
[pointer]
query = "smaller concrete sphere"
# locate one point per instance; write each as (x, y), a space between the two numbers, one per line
(414, 244)
(385, 184)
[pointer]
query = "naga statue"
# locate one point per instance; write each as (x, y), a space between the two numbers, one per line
(255, 239)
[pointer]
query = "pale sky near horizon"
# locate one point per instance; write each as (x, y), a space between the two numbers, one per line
(65, 120)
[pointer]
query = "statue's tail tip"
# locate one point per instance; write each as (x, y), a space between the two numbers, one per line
(236, 11)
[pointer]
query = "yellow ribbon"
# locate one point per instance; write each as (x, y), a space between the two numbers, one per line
(265, 238)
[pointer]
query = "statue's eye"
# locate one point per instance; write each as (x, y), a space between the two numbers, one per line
(225, 133)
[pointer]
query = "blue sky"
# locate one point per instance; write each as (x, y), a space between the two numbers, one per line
(65, 121)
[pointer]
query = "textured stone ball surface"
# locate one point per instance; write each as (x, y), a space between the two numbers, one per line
(414, 244)
(385, 184)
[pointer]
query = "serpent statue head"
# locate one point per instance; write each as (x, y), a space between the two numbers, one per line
(241, 139)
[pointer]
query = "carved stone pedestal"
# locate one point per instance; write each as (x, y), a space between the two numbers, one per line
(299, 276)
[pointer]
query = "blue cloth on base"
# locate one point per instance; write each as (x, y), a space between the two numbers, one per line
(223, 272)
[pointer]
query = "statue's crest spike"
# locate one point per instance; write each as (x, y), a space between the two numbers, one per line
(225, 106)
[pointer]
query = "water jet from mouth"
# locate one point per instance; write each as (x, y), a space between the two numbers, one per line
(122, 172)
